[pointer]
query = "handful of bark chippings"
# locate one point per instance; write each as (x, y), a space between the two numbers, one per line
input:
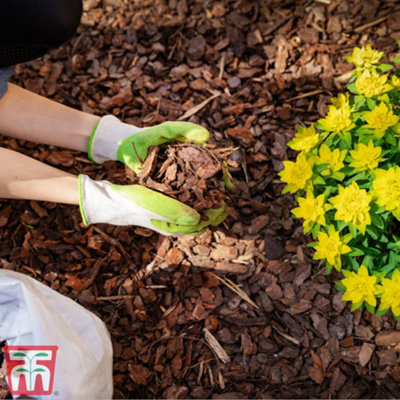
(190, 173)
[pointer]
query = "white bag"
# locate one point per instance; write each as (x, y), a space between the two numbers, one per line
(31, 314)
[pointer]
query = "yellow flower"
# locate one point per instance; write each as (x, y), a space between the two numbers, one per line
(391, 293)
(352, 205)
(341, 100)
(312, 210)
(387, 188)
(296, 174)
(372, 84)
(334, 159)
(305, 139)
(380, 119)
(331, 247)
(338, 119)
(365, 57)
(360, 287)
(365, 157)
(395, 81)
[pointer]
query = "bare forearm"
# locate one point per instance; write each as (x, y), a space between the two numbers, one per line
(26, 115)
(22, 177)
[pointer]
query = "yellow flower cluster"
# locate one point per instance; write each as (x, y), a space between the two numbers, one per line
(365, 57)
(352, 205)
(371, 84)
(380, 119)
(338, 119)
(387, 189)
(391, 293)
(333, 159)
(346, 180)
(361, 287)
(305, 139)
(296, 174)
(312, 210)
(365, 157)
(331, 246)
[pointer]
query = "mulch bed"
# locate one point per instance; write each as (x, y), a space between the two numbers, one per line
(250, 72)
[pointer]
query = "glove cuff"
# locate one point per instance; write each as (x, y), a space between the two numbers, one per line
(106, 137)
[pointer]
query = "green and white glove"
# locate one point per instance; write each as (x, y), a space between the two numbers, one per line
(116, 140)
(104, 202)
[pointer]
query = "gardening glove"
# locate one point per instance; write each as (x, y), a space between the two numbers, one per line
(105, 202)
(115, 140)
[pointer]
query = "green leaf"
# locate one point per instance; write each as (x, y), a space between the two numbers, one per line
(20, 355)
(341, 225)
(371, 103)
(370, 251)
(362, 131)
(353, 229)
(367, 261)
(359, 177)
(384, 67)
(391, 140)
(340, 286)
(339, 176)
(371, 230)
(352, 88)
(328, 268)
(41, 355)
(356, 252)
(22, 370)
(370, 308)
(396, 60)
(384, 239)
(356, 306)
(315, 230)
(318, 180)
(320, 167)
(377, 221)
(345, 142)
(39, 370)
(359, 101)
(350, 262)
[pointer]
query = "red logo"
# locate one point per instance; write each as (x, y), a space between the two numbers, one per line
(30, 369)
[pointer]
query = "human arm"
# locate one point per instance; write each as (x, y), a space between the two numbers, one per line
(22, 177)
(29, 116)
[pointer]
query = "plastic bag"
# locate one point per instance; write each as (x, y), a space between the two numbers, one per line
(31, 314)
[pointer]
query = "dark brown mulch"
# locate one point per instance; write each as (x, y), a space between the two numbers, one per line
(250, 72)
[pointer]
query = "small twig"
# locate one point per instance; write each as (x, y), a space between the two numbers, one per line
(198, 107)
(286, 336)
(237, 290)
(221, 67)
(301, 96)
(215, 346)
(118, 297)
(369, 24)
(137, 154)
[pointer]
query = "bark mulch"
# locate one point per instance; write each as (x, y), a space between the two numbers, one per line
(250, 72)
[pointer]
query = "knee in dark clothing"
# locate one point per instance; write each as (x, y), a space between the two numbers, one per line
(31, 28)
(63, 21)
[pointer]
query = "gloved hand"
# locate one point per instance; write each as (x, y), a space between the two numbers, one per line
(115, 140)
(104, 202)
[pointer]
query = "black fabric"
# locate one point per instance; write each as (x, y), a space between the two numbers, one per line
(29, 28)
